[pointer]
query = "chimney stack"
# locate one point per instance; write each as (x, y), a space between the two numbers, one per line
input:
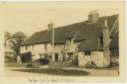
(93, 17)
(105, 23)
(106, 42)
(50, 26)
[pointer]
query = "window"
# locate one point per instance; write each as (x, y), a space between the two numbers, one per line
(87, 52)
(114, 53)
(56, 57)
(70, 54)
(100, 39)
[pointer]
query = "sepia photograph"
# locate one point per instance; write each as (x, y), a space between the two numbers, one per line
(70, 40)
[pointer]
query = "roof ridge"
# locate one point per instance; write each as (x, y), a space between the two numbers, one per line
(42, 36)
(81, 22)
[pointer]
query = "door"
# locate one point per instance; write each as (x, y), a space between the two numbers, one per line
(56, 57)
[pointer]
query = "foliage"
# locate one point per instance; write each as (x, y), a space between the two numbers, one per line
(90, 65)
(7, 37)
(56, 71)
(43, 61)
(14, 41)
(26, 57)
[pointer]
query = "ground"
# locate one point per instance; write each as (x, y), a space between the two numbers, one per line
(46, 71)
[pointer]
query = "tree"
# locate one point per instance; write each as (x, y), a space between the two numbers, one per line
(7, 37)
(16, 40)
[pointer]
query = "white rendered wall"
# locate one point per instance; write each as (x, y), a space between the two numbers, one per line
(98, 58)
(83, 59)
(23, 49)
(58, 48)
(39, 49)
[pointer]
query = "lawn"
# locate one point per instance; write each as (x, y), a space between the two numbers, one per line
(51, 71)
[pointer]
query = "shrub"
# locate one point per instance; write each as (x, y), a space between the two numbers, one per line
(32, 65)
(29, 65)
(43, 61)
(90, 65)
(26, 57)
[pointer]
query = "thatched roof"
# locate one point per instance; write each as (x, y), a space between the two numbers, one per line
(88, 33)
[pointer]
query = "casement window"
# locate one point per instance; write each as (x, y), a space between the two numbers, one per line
(70, 54)
(87, 52)
(100, 39)
(56, 57)
(114, 52)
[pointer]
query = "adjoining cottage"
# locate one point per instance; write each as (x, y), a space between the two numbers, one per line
(94, 40)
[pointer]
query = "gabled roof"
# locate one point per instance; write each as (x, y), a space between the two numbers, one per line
(87, 32)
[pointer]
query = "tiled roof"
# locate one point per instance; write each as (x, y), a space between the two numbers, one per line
(88, 33)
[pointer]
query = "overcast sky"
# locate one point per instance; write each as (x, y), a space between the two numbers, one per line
(32, 17)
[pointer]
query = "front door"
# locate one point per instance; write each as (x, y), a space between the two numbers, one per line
(56, 57)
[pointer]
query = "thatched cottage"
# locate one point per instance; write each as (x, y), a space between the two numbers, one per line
(94, 40)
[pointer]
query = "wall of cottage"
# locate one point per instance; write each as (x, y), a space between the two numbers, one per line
(96, 57)
(39, 50)
(58, 48)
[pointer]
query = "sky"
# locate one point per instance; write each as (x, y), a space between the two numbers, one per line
(31, 17)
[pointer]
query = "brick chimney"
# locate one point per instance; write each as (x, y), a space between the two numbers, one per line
(106, 42)
(106, 37)
(50, 26)
(93, 17)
